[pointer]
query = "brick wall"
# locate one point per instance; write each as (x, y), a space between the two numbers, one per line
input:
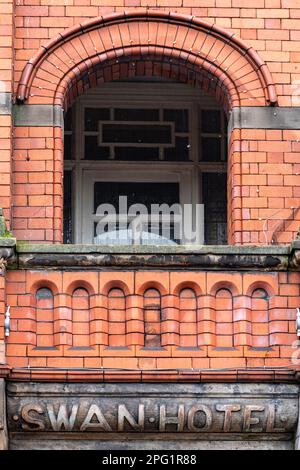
(264, 176)
(202, 320)
(270, 26)
(127, 320)
(263, 203)
(6, 86)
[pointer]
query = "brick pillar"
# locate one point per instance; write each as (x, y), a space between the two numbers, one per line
(6, 90)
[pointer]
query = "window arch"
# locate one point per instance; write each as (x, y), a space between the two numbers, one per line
(188, 318)
(260, 318)
(205, 57)
(81, 317)
(224, 319)
(152, 318)
(44, 318)
(116, 317)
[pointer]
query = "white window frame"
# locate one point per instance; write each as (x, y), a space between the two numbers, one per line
(136, 95)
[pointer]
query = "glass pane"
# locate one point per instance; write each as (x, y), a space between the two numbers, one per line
(93, 115)
(180, 117)
(215, 207)
(68, 120)
(180, 152)
(67, 147)
(92, 151)
(133, 229)
(211, 121)
(67, 207)
(136, 153)
(136, 114)
(136, 134)
(141, 193)
(211, 149)
(122, 236)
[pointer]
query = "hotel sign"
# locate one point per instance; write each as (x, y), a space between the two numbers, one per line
(152, 408)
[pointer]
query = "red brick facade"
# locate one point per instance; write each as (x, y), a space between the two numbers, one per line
(204, 320)
(246, 55)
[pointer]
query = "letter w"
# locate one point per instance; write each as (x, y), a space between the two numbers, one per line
(62, 420)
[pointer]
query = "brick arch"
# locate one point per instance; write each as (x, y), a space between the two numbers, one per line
(237, 68)
(139, 66)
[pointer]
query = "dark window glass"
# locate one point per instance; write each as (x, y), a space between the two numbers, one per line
(180, 152)
(67, 207)
(136, 134)
(68, 146)
(180, 117)
(141, 193)
(92, 151)
(211, 149)
(136, 153)
(215, 207)
(211, 121)
(93, 115)
(136, 114)
(68, 120)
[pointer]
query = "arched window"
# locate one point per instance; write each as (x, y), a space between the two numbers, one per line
(116, 317)
(81, 317)
(152, 318)
(260, 318)
(188, 318)
(44, 318)
(224, 319)
(138, 159)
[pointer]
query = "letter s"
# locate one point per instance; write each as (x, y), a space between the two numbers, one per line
(38, 423)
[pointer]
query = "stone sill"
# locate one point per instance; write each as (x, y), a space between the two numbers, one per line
(25, 255)
(155, 249)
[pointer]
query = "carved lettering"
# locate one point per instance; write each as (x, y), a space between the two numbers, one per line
(164, 419)
(62, 420)
(191, 418)
(151, 416)
(94, 411)
(249, 420)
(228, 410)
(123, 414)
(271, 420)
(28, 418)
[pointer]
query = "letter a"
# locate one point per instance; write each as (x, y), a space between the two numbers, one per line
(102, 423)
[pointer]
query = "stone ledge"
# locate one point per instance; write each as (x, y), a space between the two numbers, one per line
(214, 257)
(271, 375)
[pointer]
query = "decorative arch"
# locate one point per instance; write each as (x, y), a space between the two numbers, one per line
(44, 301)
(152, 317)
(174, 44)
(81, 317)
(224, 318)
(188, 317)
(116, 317)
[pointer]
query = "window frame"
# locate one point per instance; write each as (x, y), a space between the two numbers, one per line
(137, 95)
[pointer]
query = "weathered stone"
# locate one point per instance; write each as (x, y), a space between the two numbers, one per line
(198, 413)
(183, 257)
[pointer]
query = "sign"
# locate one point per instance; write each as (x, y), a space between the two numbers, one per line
(152, 408)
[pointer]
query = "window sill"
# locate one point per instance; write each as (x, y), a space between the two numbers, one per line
(208, 257)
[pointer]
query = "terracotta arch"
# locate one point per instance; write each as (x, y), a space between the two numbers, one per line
(185, 39)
